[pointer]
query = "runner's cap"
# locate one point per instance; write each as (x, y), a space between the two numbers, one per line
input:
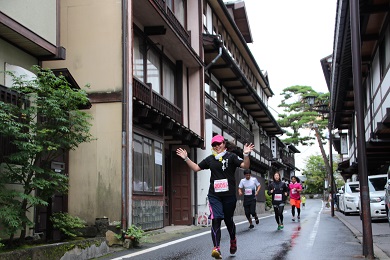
(218, 139)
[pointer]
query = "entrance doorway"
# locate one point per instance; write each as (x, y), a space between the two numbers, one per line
(180, 192)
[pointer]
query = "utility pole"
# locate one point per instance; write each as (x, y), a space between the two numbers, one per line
(331, 162)
(368, 247)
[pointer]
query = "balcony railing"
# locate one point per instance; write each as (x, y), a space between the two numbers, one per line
(144, 92)
(173, 20)
(266, 152)
(286, 159)
(223, 117)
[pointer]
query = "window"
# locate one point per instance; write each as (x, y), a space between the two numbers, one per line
(229, 105)
(243, 119)
(377, 183)
(213, 91)
(138, 63)
(152, 67)
(178, 8)
(384, 53)
(169, 82)
(153, 70)
(148, 165)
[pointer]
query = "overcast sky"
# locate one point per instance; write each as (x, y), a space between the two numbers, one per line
(290, 37)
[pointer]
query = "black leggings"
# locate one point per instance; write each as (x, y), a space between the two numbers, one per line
(293, 211)
(216, 229)
(278, 209)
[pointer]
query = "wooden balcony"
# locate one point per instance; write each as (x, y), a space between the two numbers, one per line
(152, 111)
(288, 160)
(226, 121)
(145, 94)
(265, 152)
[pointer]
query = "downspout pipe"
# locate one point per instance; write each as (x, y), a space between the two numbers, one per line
(124, 178)
(219, 43)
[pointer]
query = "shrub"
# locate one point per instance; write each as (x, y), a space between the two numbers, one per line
(268, 200)
(67, 224)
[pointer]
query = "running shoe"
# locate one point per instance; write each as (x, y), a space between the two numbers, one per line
(251, 226)
(293, 219)
(216, 253)
(279, 227)
(257, 220)
(299, 217)
(233, 246)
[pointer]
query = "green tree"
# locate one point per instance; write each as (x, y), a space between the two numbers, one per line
(298, 115)
(315, 173)
(44, 125)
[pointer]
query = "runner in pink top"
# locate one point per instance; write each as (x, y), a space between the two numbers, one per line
(295, 197)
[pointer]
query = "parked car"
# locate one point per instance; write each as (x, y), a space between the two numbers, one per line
(349, 198)
(387, 196)
(376, 188)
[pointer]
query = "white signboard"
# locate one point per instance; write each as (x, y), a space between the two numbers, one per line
(343, 144)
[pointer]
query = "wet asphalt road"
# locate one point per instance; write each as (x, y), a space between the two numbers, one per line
(317, 236)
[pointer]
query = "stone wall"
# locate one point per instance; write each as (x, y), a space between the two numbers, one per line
(75, 250)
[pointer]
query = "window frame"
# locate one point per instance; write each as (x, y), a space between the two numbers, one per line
(163, 61)
(139, 165)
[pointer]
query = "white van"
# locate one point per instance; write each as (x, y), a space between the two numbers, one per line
(376, 187)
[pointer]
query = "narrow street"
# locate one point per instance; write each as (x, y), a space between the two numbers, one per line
(316, 236)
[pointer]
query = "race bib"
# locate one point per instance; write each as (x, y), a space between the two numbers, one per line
(221, 185)
(293, 191)
(278, 197)
(248, 191)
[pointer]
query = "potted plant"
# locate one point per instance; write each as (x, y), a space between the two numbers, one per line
(134, 233)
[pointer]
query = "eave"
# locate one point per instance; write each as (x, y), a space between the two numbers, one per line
(23, 38)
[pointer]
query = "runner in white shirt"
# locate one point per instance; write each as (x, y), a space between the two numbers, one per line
(250, 187)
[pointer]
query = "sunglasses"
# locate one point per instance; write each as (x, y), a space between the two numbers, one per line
(215, 144)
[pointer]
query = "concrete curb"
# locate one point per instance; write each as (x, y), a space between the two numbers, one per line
(378, 253)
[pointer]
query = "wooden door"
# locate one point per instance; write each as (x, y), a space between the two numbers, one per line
(180, 193)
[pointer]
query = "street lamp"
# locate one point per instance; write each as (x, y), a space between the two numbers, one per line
(310, 100)
(326, 112)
